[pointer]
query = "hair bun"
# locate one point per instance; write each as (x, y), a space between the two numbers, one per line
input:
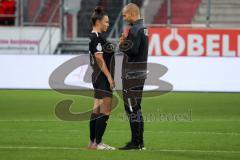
(98, 9)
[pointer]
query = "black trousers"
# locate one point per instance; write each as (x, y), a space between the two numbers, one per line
(132, 96)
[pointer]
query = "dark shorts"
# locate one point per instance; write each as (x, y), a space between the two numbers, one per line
(101, 87)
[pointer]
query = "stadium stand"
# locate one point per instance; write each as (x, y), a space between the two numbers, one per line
(111, 7)
(196, 12)
(34, 5)
(49, 7)
(222, 12)
(7, 12)
(41, 11)
(84, 16)
(183, 11)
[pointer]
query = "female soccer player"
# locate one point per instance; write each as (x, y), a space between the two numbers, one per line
(102, 62)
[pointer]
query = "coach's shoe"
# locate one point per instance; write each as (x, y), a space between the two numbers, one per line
(132, 146)
(141, 146)
(103, 146)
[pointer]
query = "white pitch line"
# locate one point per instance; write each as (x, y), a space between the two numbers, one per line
(40, 148)
(193, 120)
(215, 120)
(186, 132)
(148, 150)
(117, 131)
(197, 151)
(26, 120)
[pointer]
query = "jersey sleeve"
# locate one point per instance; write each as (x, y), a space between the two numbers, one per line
(96, 46)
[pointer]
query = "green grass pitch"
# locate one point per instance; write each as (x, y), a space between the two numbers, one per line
(209, 128)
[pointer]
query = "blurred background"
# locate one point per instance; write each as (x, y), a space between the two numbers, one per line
(197, 40)
(66, 23)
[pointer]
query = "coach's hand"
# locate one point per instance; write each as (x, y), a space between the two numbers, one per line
(122, 38)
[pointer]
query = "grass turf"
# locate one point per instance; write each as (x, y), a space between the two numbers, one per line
(209, 128)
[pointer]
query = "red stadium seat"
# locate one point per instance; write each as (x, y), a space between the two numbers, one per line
(49, 7)
(7, 7)
(183, 12)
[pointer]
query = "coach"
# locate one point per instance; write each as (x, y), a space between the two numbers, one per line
(134, 45)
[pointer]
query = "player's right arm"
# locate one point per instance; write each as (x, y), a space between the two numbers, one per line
(102, 65)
